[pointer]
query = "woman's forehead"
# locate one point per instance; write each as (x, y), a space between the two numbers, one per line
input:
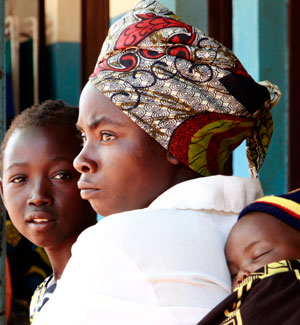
(96, 109)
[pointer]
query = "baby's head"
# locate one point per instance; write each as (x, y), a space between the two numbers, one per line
(38, 180)
(268, 230)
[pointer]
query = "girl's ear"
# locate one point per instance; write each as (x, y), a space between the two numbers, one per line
(1, 189)
(172, 159)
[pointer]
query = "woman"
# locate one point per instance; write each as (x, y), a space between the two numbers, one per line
(165, 105)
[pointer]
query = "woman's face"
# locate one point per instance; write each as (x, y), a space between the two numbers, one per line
(122, 167)
(256, 240)
(39, 186)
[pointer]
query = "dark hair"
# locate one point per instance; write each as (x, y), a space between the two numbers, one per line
(50, 112)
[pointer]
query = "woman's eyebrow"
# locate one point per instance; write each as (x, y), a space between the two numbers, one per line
(103, 120)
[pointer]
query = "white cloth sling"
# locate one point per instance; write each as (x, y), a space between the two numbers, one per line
(162, 265)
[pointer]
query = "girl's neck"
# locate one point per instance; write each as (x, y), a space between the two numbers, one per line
(59, 257)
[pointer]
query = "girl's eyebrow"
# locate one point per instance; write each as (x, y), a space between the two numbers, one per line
(23, 163)
(60, 158)
(16, 164)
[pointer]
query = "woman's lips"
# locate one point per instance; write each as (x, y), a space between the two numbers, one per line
(87, 190)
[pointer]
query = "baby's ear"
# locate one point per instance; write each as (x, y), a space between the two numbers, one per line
(172, 159)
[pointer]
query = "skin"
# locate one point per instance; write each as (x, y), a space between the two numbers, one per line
(256, 240)
(122, 167)
(39, 190)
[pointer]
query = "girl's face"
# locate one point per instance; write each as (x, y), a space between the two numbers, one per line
(39, 186)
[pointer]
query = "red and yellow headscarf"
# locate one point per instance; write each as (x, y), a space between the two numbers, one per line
(186, 90)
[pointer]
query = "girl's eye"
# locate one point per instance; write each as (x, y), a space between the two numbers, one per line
(17, 179)
(62, 176)
(105, 136)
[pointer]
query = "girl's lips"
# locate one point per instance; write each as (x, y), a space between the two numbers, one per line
(38, 216)
(41, 224)
(41, 220)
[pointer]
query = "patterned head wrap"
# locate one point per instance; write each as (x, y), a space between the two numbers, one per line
(186, 90)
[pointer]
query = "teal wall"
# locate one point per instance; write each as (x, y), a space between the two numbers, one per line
(274, 66)
(260, 32)
(63, 72)
(196, 13)
(245, 29)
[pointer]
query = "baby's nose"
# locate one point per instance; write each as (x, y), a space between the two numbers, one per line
(242, 274)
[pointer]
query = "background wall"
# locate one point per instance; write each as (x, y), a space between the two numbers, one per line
(63, 36)
(22, 8)
(260, 40)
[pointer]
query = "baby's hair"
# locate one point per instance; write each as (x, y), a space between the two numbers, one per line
(50, 112)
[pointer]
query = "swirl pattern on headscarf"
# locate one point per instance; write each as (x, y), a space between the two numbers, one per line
(186, 90)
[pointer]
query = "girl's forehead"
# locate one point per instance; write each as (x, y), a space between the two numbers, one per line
(35, 135)
(31, 144)
(28, 138)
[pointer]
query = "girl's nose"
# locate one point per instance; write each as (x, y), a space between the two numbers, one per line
(83, 163)
(40, 194)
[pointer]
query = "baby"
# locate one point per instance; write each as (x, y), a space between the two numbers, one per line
(268, 230)
(262, 252)
(39, 185)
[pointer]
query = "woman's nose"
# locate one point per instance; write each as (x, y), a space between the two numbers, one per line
(40, 194)
(83, 163)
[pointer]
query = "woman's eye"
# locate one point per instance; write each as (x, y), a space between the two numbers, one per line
(83, 137)
(17, 179)
(62, 176)
(105, 136)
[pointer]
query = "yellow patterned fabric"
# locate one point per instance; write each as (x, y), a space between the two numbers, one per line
(40, 296)
(186, 90)
(271, 295)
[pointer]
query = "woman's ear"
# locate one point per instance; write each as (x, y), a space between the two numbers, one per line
(172, 159)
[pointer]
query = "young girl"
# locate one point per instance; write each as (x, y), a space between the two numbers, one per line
(39, 185)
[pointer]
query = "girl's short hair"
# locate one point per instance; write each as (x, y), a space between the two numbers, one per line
(50, 112)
